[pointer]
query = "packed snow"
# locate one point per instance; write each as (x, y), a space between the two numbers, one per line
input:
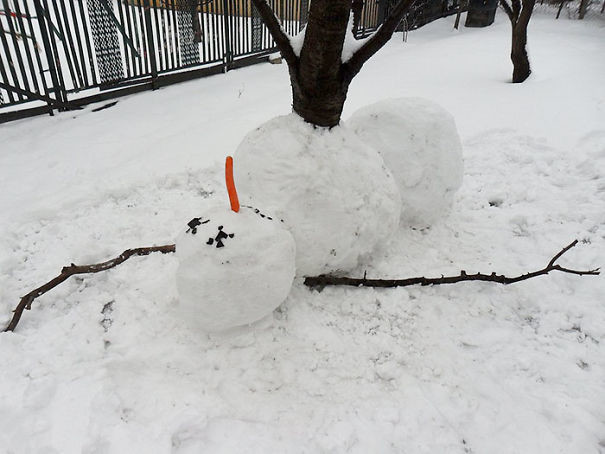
(351, 44)
(332, 191)
(419, 144)
(105, 364)
(222, 279)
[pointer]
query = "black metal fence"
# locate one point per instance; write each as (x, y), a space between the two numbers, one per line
(61, 54)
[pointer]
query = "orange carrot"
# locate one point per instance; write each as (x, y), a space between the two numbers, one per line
(231, 184)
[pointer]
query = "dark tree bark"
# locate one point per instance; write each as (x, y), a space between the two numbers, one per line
(519, 13)
(320, 80)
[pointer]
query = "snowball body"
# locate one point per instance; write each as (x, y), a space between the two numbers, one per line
(239, 282)
(419, 143)
(333, 192)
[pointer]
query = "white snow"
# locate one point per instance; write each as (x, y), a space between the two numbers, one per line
(332, 190)
(234, 268)
(104, 364)
(351, 44)
(297, 41)
(419, 143)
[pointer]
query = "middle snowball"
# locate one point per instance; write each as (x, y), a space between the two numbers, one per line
(332, 191)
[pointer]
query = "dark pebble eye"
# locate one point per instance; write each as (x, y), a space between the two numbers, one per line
(210, 241)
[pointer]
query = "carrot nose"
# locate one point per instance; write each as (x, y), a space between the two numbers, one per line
(231, 184)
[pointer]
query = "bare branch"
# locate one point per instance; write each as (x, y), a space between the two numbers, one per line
(272, 22)
(324, 280)
(315, 282)
(378, 39)
(508, 10)
(66, 272)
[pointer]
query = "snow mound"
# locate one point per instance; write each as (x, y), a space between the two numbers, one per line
(419, 143)
(234, 268)
(332, 191)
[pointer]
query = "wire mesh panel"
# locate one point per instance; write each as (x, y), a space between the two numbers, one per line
(189, 34)
(257, 31)
(106, 41)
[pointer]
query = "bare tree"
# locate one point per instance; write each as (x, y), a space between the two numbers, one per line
(319, 78)
(519, 13)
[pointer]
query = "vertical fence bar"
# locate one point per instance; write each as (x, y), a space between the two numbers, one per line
(37, 50)
(71, 49)
(3, 72)
(91, 62)
(227, 58)
(58, 87)
(150, 46)
(13, 34)
(158, 36)
(82, 64)
(25, 37)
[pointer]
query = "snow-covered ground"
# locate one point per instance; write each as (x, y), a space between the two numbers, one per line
(102, 364)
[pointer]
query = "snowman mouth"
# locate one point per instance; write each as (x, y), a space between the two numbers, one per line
(257, 211)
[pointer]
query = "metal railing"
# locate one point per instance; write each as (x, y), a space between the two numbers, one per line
(62, 54)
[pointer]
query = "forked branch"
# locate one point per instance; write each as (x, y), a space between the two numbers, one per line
(72, 270)
(277, 32)
(324, 280)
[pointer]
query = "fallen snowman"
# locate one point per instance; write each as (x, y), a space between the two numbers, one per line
(235, 265)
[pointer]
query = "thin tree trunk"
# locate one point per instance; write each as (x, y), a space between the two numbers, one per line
(583, 8)
(518, 55)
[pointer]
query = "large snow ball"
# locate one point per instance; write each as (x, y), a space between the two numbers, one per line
(234, 268)
(333, 192)
(419, 143)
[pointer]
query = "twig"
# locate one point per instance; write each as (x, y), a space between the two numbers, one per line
(320, 282)
(71, 270)
(316, 282)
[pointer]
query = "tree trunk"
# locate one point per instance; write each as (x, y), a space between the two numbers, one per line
(583, 8)
(319, 78)
(319, 88)
(518, 55)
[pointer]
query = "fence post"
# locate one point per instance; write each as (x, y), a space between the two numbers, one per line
(58, 89)
(228, 57)
(151, 53)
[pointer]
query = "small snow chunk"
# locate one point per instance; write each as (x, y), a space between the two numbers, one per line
(351, 44)
(297, 41)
